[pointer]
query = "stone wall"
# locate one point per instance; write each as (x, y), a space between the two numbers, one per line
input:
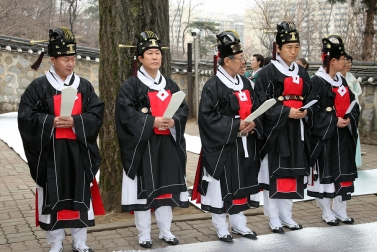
(368, 117)
(16, 75)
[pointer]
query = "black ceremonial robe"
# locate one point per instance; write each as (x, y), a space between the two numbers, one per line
(157, 161)
(64, 168)
(288, 155)
(223, 155)
(333, 148)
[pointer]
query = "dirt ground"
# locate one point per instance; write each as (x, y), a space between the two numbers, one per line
(119, 217)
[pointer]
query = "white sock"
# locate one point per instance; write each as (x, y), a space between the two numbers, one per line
(167, 234)
(275, 221)
(80, 244)
(56, 246)
(289, 221)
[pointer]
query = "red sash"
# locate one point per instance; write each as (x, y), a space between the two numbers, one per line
(245, 105)
(158, 108)
(291, 88)
(77, 109)
(341, 103)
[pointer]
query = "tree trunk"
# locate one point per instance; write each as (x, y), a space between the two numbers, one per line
(121, 21)
(369, 31)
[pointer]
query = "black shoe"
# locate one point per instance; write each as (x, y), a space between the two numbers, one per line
(278, 230)
(329, 221)
(345, 220)
(145, 243)
(170, 241)
(250, 235)
(294, 226)
(225, 238)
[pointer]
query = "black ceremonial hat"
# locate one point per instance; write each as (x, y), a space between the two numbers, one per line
(286, 33)
(147, 40)
(62, 42)
(333, 46)
(228, 43)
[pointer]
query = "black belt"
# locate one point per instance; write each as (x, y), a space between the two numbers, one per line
(244, 134)
(290, 97)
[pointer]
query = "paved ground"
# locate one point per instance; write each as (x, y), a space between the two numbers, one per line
(17, 222)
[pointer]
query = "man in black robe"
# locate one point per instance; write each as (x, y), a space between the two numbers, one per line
(333, 128)
(227, 176)
(153, 148)
(62, 152)
(285, 147)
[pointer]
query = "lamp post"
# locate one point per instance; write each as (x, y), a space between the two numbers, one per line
(196, 78)
(194, 34)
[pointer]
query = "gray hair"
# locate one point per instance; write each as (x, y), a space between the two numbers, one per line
(221, 60)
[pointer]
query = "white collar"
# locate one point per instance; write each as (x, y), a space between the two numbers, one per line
(158, 83)
(235, 83)
(291, 71)
(337, 82)
(58, 83)
(254, 72)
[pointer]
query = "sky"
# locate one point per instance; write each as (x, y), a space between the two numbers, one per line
(226, 6)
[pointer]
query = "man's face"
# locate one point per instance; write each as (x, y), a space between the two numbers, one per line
(233, 66)
(64, 65)
(289, 52)
(152, 59)
(255, 63)
(339, 65)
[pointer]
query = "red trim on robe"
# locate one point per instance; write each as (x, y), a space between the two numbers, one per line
(63, 215)
(291, 88)
(97, 203)
(66, 133)
(165, 196)
(245, 106)
(286, 185)
(341, 103)
(158, 108)
(195, 195)
(36, 209)
(239, 201)
(346, 184)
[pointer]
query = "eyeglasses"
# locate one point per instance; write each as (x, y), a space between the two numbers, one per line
(238, 58)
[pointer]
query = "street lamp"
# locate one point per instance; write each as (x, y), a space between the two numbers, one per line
(194, 34)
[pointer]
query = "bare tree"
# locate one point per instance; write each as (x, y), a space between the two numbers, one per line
(32, 19)
(312, 19)
(183, 12)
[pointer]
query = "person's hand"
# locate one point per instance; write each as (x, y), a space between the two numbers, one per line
(163, 124)
(249, 127)
(243, 125)
(63, 122)
(296, 113)
(343, 122)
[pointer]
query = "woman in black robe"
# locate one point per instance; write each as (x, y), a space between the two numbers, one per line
(153, 149)
(333, 128)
